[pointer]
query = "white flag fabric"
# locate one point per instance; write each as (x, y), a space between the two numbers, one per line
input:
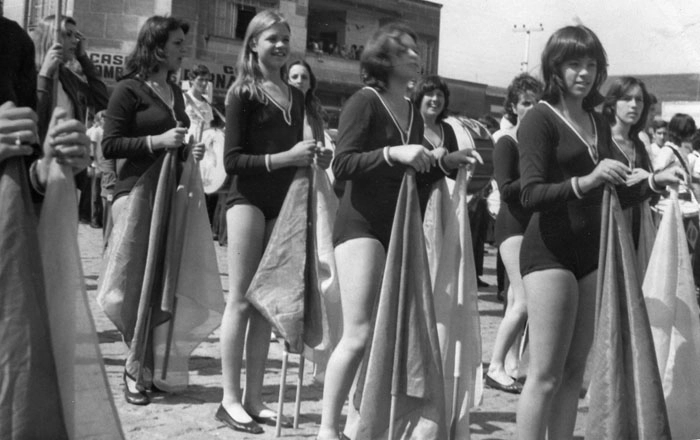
(456, 304)
(88, 405)
(669, 293)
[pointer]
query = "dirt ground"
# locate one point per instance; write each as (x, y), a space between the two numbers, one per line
(190, 415)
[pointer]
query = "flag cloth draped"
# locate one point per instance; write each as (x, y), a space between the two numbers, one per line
(88, 404)
(296, 274)
(669, 292)
(403, 364)
(457, 310)
(30, 402)
(626, 397)
(160, 284)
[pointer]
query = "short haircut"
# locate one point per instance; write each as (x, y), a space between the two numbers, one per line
(427, 85)
(618, 89)
(199, 70)
(566, 44)
(521, 84)
(376, 59)
(658, 123)
(680, 128)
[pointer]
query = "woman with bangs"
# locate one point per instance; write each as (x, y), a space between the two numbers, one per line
(379, 138)
(565, 161)
(431, 97)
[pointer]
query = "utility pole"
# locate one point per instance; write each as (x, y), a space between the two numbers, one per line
(527, 30)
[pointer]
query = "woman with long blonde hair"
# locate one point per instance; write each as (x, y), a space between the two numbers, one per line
(263, 149)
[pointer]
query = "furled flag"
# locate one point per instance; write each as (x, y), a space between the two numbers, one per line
(669, 293)
(160, 283)
(88, 405)
(293, 277)
(457, 312)
(626, 397)
(403, 385)
(28, 380)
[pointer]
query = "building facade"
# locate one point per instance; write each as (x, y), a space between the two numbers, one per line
(328, 34)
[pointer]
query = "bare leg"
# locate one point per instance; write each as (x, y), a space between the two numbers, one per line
(360, 267)
(516, 312)
(246, 226)
(562, 419)
(552, 304)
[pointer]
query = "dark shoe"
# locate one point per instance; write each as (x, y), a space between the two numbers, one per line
(514, 388)
(223, 416)
(272, 420)
(481, 283)
(135, 398)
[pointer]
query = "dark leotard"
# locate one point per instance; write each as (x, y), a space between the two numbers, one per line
(368, 204)
(254, 129)
(512, 218)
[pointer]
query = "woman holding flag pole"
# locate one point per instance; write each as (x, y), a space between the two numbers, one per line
(564, 164)
(379, 139)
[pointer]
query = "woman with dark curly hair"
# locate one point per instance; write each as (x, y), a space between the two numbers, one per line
(380, 136)
(512, 219)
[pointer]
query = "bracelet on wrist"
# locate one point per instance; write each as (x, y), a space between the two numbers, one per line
(268, 163)
(576, 187)
(149, 142)
(387, 158)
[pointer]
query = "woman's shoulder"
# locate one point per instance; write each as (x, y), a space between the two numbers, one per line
(507, 139)
(365, 96)
(541, 114)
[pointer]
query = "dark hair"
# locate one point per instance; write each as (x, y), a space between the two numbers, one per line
(199, 70)
(428, 84)
(653, 99)
(695, 141)
(681, 127)
(149, 53)
(658, 123)
(618, 89)
(312, 105)
(521, 84)
(385, 43)
(569, 43)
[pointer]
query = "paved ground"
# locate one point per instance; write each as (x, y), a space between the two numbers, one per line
(190, 415)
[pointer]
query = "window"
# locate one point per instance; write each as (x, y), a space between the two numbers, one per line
(38, 9)
(230, 18)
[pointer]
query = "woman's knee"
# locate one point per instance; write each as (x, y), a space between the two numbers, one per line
(357, 338)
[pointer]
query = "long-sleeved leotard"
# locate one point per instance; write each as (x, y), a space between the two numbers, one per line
(254, 129)
(372, 188)
(564, 230)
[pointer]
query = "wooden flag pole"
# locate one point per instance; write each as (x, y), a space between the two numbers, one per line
(280, 403)
(455, 389)
(300, 382)
(57, 39)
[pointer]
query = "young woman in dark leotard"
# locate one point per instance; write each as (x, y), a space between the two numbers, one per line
(379, 138)
(511, 221)
(564, 163)
(263, 149)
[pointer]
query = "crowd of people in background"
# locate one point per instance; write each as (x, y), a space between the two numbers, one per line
(553, 155)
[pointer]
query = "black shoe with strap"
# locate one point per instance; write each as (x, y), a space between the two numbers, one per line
(134, 397)
(250, 427)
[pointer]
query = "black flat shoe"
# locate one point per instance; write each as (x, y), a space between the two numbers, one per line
(272, 420)
(134, 398)
(514, 388)
(223, 416)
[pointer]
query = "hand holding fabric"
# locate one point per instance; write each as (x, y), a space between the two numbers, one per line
(17, 131)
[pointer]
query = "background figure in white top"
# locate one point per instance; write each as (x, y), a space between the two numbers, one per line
(197, 106)
(201, 115)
